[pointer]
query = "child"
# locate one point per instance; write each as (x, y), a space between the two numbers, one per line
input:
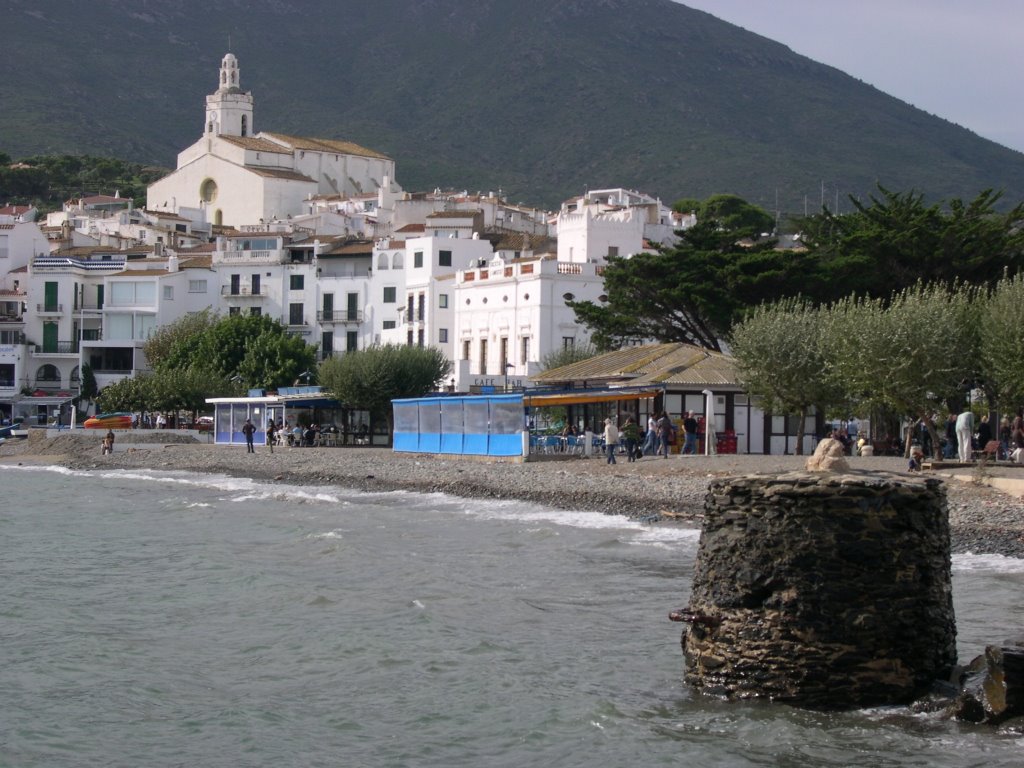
(916, 457)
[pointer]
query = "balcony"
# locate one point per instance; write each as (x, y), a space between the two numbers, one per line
(49, 309)
(295, 322)
(248, 257)
(11, 319)
(243, 291)
(340, 316)
(56, 348)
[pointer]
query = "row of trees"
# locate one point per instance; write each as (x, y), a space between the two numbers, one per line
(204, 355)
(696, 291)
(920, 350)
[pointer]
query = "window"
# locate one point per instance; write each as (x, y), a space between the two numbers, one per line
(408, 338)
(524, 350)
(127, 294)
(419, 338)
(255, 311)
(168, 293)
(483, 357)
(390, 294)
(613, 250)
(442, 335)
(417, 259)
(234, 311)
(465, 349)
(442, 301)
(296, 282)
(444, 258)
(504, 354)
(421, 307)
(197, 286)
(180, 228)
(389, 324)
(568, 342)
(382, 261)
(327, 344)
(351, 341)
(295, 314)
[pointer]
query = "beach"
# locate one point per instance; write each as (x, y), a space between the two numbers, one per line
(660, 491)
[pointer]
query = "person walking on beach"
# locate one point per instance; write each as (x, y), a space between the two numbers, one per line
(690, 433)
(108, 442)
(651, 438)
(964, 434)
(664, 434)
(271, 434)
(249, 429)
(611, 439)
(632, 434)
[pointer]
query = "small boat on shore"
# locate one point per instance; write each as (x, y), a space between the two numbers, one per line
(12, 430)
(117, 420)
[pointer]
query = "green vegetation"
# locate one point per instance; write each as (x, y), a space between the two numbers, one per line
(911, 355)
(47, 181)
(696, 291)
(203, 355)
(370, 378)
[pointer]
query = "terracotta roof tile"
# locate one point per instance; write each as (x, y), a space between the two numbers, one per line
(324, 145)
(256, 144)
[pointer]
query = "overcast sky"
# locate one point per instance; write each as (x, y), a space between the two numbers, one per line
(962, 60)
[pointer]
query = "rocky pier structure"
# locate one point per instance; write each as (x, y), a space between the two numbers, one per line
(822, 589)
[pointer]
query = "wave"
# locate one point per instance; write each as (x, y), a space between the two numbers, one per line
(970, 562)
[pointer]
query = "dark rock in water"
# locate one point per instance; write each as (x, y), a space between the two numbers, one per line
(993, 686)
(821, 590)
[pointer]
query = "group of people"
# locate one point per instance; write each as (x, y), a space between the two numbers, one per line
(282, 433)
(656, 440)
(961, 438)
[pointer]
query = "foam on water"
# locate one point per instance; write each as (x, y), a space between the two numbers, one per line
(987, 562)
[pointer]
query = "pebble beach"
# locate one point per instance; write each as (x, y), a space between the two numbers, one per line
(653, 489)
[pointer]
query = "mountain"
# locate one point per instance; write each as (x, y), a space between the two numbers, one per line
(540, 98)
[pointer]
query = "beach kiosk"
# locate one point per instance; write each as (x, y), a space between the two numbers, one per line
(493, 425)
(230, 413)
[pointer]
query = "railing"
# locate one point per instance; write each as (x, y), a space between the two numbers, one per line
(247, 256)
(340, 316)
(10, 319)
(242, 290)
(92, 334)
(57, 348)
(570, 269)
(289, 322)
(49, 308)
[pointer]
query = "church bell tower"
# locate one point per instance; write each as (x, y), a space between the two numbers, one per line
(229, 108)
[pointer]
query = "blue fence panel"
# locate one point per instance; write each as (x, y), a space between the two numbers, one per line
(430, 426)
(453, 420)
(407, 425)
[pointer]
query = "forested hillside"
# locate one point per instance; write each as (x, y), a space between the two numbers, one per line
(541, 98)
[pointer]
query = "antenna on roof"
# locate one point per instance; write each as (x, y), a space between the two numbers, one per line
(229, 42)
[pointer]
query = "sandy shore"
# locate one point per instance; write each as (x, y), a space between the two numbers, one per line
(673, 489)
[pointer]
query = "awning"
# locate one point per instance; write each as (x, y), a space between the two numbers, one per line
(581, 396)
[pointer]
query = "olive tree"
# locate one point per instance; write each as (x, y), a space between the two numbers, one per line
(781, 360)
(1001, 340)
(371, 378)
(908, 355)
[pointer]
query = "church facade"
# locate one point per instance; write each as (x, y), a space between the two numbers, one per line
(234, 175)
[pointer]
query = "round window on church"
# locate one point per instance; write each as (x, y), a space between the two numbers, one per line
(208, 191)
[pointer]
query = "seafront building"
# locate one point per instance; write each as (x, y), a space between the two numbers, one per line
(317, 234)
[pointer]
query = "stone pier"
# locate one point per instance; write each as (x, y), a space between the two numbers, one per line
(824, 590)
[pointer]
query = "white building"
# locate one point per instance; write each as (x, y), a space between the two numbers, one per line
(238, 176)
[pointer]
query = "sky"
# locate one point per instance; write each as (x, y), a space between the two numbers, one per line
(961, 60)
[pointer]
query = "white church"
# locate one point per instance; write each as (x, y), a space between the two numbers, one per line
(234, 175)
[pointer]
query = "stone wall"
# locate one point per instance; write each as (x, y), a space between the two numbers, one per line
(820, 589)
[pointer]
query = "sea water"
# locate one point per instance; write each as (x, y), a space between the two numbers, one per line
(178, 619)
